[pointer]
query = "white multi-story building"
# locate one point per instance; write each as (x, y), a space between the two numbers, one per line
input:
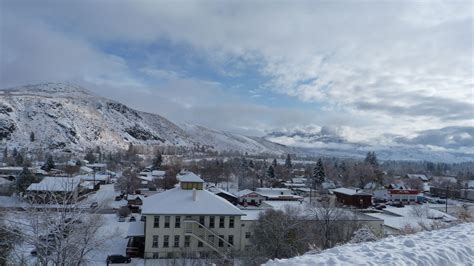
(188, 221)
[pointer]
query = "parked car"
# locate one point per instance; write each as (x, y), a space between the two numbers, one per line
(380, 206)
(94, 205)
(397, 204)
(440, 201)
(118, 198)
(121, 219)
(133, 219)
(117, 259)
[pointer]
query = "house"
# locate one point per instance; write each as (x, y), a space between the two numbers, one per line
(135, 200)
(101, 178)
(278, 194)
(98, 167)
(422, 177)
(53, 188)
(189, 221)
(353, 197)
(248, 197)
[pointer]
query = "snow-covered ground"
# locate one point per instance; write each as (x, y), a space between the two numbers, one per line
(450, 246)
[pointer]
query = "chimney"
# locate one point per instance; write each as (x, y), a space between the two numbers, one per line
(194, 194)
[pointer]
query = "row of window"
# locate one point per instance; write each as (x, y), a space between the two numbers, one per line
(187, 241)
(211, 224)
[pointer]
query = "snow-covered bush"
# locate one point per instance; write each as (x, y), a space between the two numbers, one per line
(364, 234)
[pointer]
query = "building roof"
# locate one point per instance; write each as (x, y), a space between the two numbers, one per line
(350, 191)
(419, 176)
(243, 192)
(136, 229)
(251, 214)
(98, 177)
(180, 201)
(190, 177)
(217, 190)
(56, 184)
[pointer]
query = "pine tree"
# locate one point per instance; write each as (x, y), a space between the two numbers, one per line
(251, 164)
(32, 136)
(288, 162)
(275, 163)
(318, 173)
(24, 180)
(270, 172)
(49, 164)
(18, 159)
(157, 161)
(371, 159)
(90, 157)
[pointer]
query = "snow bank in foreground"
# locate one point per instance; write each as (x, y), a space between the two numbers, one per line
(450, 246)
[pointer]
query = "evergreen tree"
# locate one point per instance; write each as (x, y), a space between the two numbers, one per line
(32, 136)
(49, 164)
(157, 161)
(24, 180)
(275, 163)
(18, 159)
(5, 155)
(270, 172)
(251, 164)
(318, 173)
(371, 159)
(90, 157)
(288, 162)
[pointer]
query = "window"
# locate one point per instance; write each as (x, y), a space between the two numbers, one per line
(247, 234)
(166, 241)
(177, 222)
(211, 222)
(155, 242)
(231, 240)
(156, 222)
(231, 221)
(156, 255)
(167, 222)
(187, 241)
(211, 239)
(221, 221)
(200, 244)
(176, 241)
(221, 241)
(201, 219)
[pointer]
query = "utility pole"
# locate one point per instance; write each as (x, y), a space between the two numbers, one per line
(447, 189)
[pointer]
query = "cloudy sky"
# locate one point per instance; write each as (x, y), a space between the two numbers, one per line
(371, 70)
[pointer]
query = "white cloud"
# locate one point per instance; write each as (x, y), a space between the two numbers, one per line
(377, 68)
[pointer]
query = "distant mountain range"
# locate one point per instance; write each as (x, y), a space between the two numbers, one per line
(68, 118)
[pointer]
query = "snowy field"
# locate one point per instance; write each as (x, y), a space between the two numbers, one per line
(450, 246)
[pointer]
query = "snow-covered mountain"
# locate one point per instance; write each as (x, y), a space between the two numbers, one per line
(69, 118)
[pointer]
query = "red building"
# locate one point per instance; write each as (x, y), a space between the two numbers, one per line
(353, 197)
(403, 195)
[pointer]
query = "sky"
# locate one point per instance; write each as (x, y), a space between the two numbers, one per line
(370, 71)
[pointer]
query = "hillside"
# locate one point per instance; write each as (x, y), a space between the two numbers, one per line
(450, 246)
(69, 118)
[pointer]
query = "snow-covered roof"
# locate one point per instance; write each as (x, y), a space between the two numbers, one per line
(56, 184)
(217, 190)
(133, 197)
(158, 173)
(470, 183)
(98, 177)
(449, 246)
(181, 201)
(97, 165)
(190, 177)
(419, 176)
(273, 191)
(300, 180)
(251, 214)
(243, 192)
(136, 229)
(87, 169)
(349, 191)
